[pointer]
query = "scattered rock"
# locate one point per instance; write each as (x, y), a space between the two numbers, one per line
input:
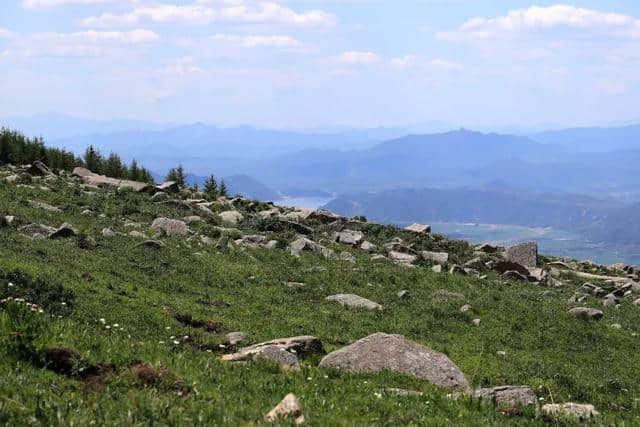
(304, 244)
(419, 228)
(37, 231)
(437, 268)
(476, 322)
(587, 313)
(465, 308)
(65, 230)
(487, 248)
(402, 258)
(395, 353)
(150, 244)
(367, 246)
(43, 206)
(39, 169)
(436, 257)
(302, 345)
(168, 187)
(288, 407)
(346, 256)
(349, 237)
(570, 410)
(234, 338)
(170, 227)
(404, 294)
(93, 179)
(233, 217)
(352, 300)
(286, 360)
(510, 396)
(525, 254)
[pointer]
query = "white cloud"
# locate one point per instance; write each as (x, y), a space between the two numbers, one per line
(412, 61)
(181, 67)
(538, 19)
(49, 4)
(79, 44)
(5, 34)
(259, 41)
(229, 11)
(358, 58)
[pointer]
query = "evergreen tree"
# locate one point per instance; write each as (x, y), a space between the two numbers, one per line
(134, 171)
(211, 187)
(223, 188)
(145, 176)
(114, 168)
(93, 160)
(177, 175)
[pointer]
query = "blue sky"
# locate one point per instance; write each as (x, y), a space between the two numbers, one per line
(306, 63)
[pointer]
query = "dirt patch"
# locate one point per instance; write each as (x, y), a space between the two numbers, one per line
(209, 326)
(146, 375)
(61, 360)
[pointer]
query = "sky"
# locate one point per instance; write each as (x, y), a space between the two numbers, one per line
(312, 63)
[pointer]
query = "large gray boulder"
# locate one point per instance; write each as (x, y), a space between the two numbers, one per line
(304, 244)
(419, 228)
(94, 179)
(352, 300)
(349, 237)
(525, 254)
(232, 217)
(580, 411)
(275, 350)
(435, 257)
(380, 351)
(168, 187)
(39, 169)
(170, 227)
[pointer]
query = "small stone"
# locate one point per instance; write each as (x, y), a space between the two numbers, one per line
(465, 308)
(476, 322)
(615, 326)
(352, 300)
(404, 294)
(587, 313)
(234, 338)
(570, 410)
(288, 407)
(419, 228)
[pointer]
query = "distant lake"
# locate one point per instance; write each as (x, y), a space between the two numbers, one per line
(303, 202)
(550, 241)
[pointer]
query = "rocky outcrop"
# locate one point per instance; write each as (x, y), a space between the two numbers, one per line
(380, 351)
(288, 407)
(419, 228)
(525, 254)
(508, 395)
(91, 178)
(170, 227)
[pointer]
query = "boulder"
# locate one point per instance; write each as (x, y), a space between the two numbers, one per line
(300, 346)
(286, 360)
(168, 187)
(402, 258)
(349, 237)
(65, 230)
(508, 395)
(39, 169)
(487, 248)
(419, 228)
(367, 246)
(94, 179)
(304, 244)
(587, 313)
(352, 300)
(37, 231)
(232, 217)
(435, 257)
(525, 254)
(380, 351)
(570, 410)
(234, 338)
(170, 227)
(288, 407)
(346, 256)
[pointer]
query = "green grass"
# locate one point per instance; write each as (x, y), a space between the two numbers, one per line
(561, 357)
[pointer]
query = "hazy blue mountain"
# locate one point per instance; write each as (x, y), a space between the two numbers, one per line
(594, 139)
(564, 211)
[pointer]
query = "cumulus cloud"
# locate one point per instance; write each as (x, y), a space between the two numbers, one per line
(226, 11)
(284, 42)
(412, 61)
(79, 44)
(357, 58)
(49, 4)
(538, 19)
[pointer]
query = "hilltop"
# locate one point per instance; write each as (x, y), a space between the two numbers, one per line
(130, 303)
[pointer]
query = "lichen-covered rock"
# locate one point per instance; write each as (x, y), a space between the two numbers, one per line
(170, 227)
(288, 407)
(525, 254)
(380, 351)
(352, 300)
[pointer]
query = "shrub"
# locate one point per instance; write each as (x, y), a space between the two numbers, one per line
(24, 331)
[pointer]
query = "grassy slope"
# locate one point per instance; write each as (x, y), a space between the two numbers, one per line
(563, 358)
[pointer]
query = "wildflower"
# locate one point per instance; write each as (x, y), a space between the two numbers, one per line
(160, 342)
(103, 321)
(115, 325)
(378, 395)
(176, 342)
(107, 327)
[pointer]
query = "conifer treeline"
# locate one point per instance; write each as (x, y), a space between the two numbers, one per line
(17, 149)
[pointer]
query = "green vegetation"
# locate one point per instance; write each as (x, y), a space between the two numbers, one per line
(110, 349)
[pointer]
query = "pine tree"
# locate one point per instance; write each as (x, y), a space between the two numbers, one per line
(93, 160)
(134, 171)
(223, 188)
(177, 175)
(211, 187)
(114, 168)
